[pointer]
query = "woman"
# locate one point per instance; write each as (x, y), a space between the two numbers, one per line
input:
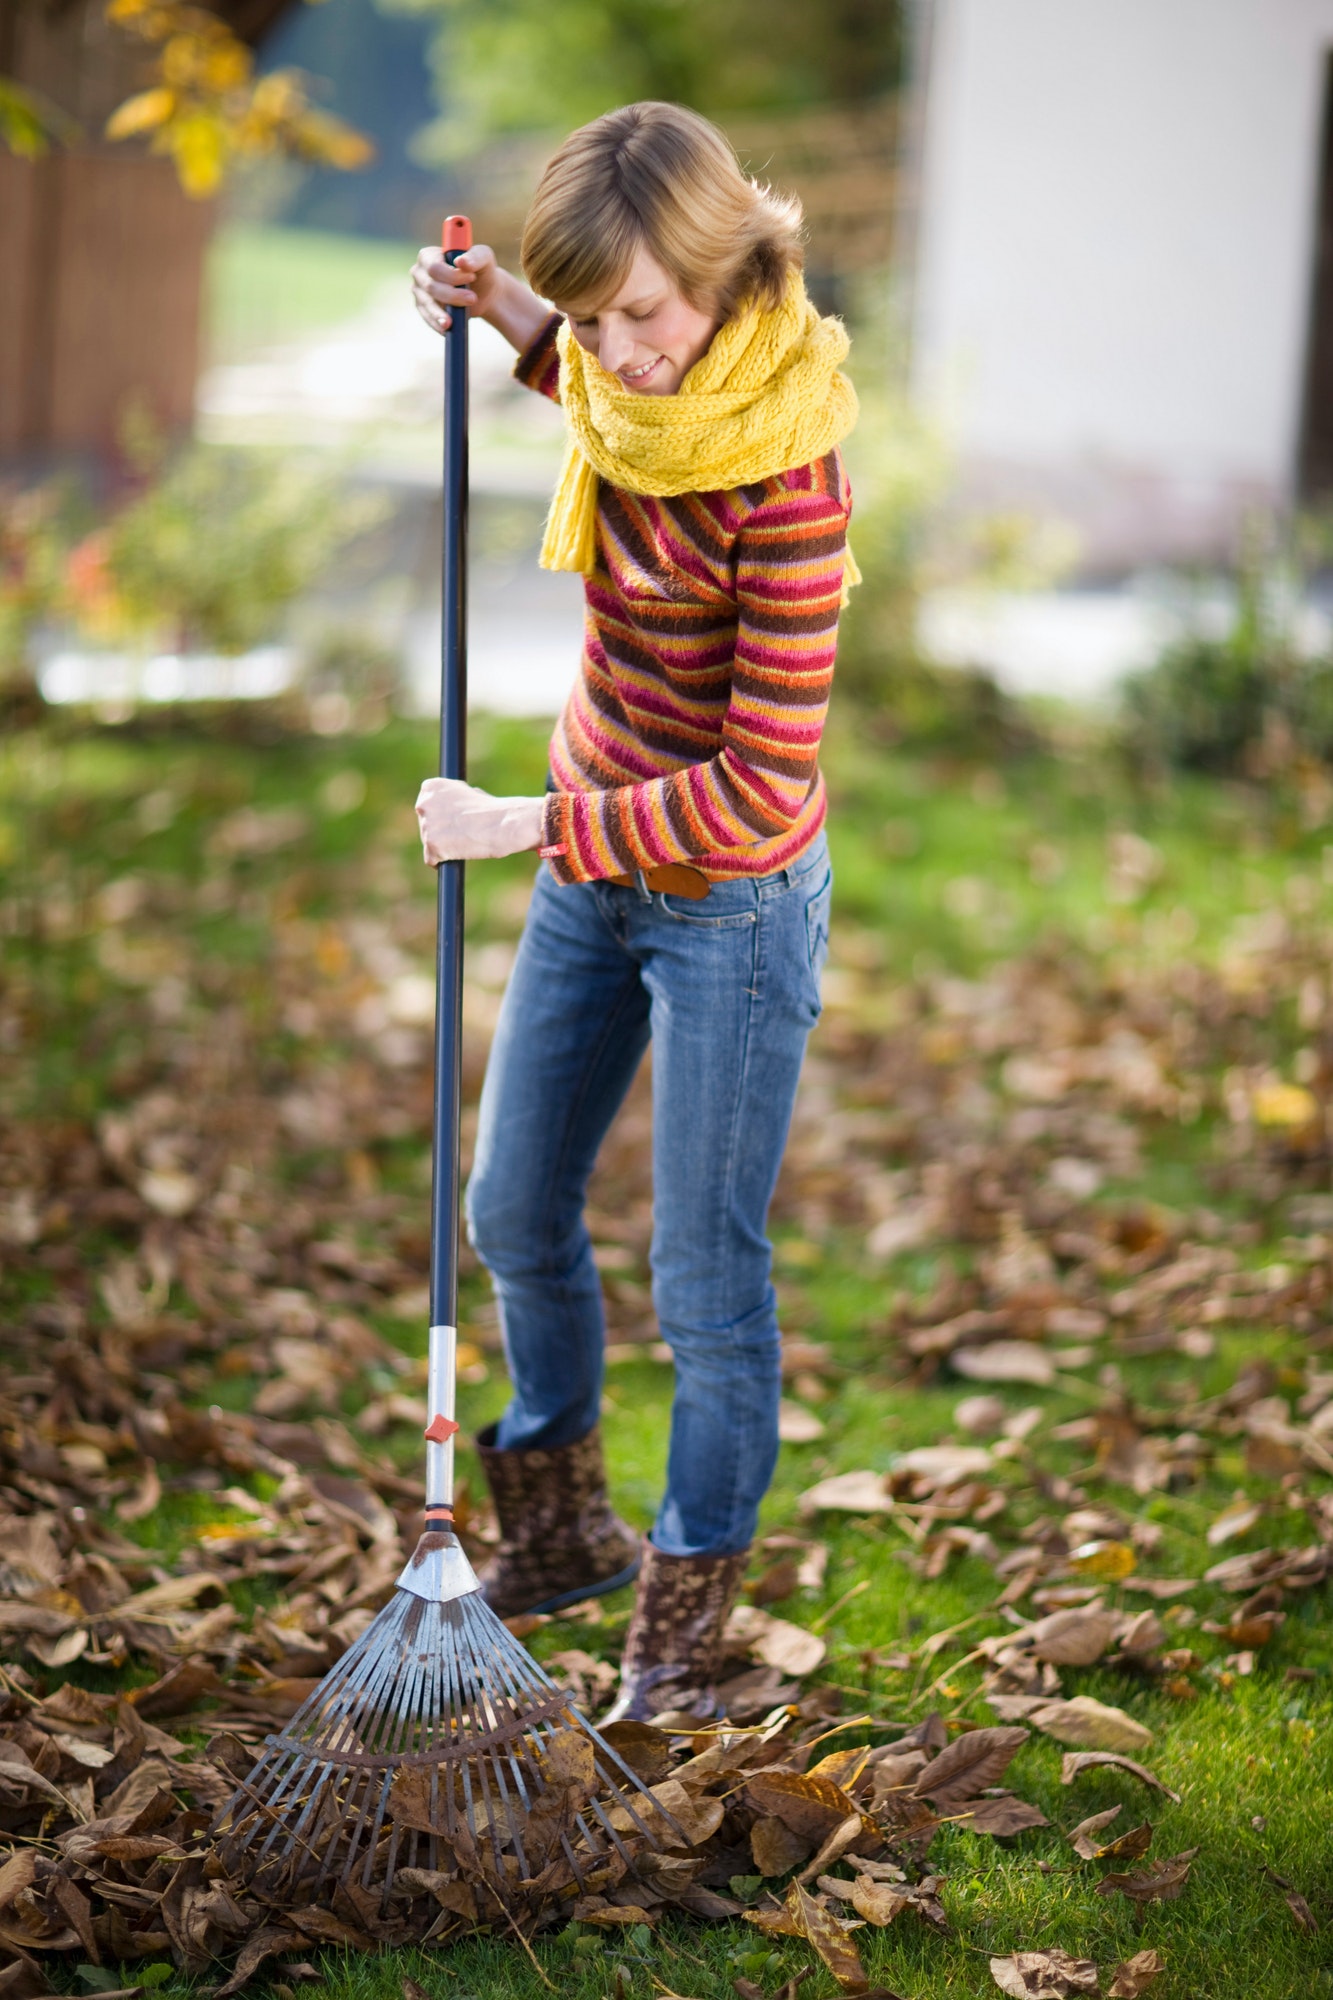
(685, 896)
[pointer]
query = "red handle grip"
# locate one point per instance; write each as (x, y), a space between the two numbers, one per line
(456, 233)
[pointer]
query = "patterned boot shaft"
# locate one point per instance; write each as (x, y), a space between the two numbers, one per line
(674, 1645)
(560, 1540)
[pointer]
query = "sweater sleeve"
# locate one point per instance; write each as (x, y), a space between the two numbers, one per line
(789, 567)
(538, 367)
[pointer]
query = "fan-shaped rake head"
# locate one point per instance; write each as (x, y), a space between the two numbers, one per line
(437, 1742)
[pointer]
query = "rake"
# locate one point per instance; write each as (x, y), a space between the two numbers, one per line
(437, 1742)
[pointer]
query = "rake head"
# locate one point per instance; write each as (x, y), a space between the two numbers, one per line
(438, 1743)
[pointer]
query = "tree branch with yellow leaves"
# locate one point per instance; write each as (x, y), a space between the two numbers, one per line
(204, 106)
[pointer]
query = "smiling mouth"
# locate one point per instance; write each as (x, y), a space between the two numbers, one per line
(635, 375)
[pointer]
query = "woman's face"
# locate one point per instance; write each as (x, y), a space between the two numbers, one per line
(647, 333)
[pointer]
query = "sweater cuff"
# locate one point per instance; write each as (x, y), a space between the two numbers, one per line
(538, 367)
(557, 847)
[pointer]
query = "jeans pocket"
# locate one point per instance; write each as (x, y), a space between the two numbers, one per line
(697, 916)
(817, 926)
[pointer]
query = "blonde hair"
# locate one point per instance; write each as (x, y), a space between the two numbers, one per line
(662, 177)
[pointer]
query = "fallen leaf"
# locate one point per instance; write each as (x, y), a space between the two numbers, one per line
(1109, 1561)
(1135, 1975)
(974, 1760)
(848, 1493)
(1074, 1638)
(1130, 1846)
(1091, 1725)
(945, 1464)
(1237, 1519)
(821, 1929)
(1044, 1975)
(878, 1902)
(1005, 1361)
(999, 1817)
(842, 1837)
(1160, 1883)
(775, 1642)
(811, 1807)
(1295, 1901)
(1081, 1838)
(776, 1848)
(1075, 1762)
(796, 1424)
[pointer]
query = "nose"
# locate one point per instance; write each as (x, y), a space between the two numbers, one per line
(615, 349)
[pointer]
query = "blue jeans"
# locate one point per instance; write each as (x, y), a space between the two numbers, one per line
(728, 991)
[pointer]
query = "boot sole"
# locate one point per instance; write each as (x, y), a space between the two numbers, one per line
(607, 1584)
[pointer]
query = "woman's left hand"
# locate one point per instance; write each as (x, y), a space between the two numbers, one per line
(460, 822)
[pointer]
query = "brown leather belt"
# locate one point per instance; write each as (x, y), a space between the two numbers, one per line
(669, 878)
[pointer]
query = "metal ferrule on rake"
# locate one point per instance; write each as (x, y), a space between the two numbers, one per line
(438, 1570)
(437, 1742)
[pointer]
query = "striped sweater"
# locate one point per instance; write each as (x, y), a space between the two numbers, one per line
(692, 733)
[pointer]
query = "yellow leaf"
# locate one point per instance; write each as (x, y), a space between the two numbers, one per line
(143, 113)
(321, 137)
(1111, 1561)
(183, 59)
(198, 143)
(1284, 1104)
(226, 67)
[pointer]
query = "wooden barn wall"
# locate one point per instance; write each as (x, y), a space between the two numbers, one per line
(101, 253)
(105, 262)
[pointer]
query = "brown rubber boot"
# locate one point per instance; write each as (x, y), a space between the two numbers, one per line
(674, 1644)
(559, 1539)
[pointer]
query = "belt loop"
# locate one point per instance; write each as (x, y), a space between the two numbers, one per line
(645, 893)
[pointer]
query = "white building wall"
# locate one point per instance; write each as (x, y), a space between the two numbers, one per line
(1114, 256)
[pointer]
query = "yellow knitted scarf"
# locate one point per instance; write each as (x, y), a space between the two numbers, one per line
(768, 395)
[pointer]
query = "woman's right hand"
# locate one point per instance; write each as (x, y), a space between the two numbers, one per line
(472, 281)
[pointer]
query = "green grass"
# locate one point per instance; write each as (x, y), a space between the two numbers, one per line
(267, 285)
(1251, 1759)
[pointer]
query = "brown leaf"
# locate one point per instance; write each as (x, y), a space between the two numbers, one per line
(75, 1908)
(17, 1874)
(1135, 1975)
(1044, 1975)
(974, 1760)
(812, 1807)
(1237, 1519)
(1075, 1762)
(413, 1990)
(23, 1979)
(839, 1841)
(1294, 1900)
(1128, 1846)
(776, 1849)
(878, 1902)
(1000, 1817)
(448, 1891)
(646, 1750)
(265, 1943)
(829, 1939)
(1073, 1638)
(696, 1819)
(1081, 1838)
(1161, 1883)
(1091, 1725)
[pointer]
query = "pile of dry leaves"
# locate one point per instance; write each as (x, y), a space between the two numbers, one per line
(231, 1219)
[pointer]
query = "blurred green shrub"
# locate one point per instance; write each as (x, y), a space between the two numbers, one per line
(216, 544)
(1242, 694)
